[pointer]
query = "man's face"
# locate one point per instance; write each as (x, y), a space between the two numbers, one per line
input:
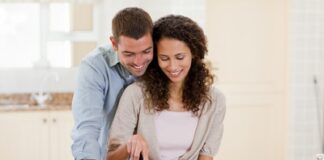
(134, 55)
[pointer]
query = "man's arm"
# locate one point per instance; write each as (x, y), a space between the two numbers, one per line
(87, 108)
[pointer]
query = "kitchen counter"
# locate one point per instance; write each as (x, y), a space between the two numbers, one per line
(27, 108)
(22, 102)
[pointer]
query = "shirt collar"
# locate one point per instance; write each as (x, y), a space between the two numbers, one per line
(114, 62)
(112, 58)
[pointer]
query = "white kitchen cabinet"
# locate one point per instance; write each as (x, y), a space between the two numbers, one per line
(61, 124)
(36, 135)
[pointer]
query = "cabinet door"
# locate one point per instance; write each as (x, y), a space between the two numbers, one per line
(60, 134)
(23, 135)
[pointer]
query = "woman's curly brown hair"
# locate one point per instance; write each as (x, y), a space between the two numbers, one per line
(199, 78)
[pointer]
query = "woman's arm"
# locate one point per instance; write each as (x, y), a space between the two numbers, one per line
(122, 143)
(212, 143)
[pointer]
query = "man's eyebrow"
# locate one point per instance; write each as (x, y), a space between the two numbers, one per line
(128, 52)
(134, 52)
(148, 48)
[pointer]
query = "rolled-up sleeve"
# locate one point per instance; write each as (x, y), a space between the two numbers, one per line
(88, 112)
(212, 143)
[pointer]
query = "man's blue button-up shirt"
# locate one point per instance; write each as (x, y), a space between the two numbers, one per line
(101, 80)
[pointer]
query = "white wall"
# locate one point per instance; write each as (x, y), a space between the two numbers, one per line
(32, 80)
(194, 9)
(248, 45)
(307, 62)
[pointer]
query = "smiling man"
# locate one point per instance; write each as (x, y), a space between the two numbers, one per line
(103, 75)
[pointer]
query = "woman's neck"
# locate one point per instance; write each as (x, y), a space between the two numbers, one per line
(175, 99)
(176, 90)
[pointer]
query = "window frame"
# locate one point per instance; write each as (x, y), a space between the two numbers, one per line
(46, 35)
(73, 36)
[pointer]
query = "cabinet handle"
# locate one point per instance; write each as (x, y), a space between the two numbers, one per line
(44, 120)
(54, 120)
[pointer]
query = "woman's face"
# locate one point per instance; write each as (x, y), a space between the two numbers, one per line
(174, 58)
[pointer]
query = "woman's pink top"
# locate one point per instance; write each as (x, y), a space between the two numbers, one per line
(175, 132)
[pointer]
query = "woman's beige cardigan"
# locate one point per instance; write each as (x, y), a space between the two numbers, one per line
(131, 114)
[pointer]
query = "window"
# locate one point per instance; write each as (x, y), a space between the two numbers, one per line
(19, 35)
(44, 34)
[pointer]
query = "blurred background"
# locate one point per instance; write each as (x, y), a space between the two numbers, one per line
(268, 56)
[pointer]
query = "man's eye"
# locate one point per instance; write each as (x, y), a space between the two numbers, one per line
(147, 51)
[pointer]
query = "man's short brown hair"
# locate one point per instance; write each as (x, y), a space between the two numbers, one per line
(132, 22)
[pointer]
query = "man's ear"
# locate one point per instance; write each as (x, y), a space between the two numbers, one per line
(114, 42)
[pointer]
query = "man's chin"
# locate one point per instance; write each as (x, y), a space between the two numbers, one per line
(138, 74)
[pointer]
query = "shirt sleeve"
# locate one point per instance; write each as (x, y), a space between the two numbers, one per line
(87, 108)
(212, 143)
(126, 117)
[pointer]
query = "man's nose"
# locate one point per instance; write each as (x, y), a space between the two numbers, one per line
(139, 59)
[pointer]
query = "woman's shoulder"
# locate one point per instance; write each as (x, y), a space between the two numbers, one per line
(218, 101)
(134, 88)
(216, 94)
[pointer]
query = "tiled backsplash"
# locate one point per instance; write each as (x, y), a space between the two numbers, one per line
(307, 64)
(57, 98)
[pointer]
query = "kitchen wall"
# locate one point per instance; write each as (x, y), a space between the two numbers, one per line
(307, 82)
(196, 9)
(33, 80)
(248, 45)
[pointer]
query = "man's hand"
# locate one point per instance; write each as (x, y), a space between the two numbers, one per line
(136, 145)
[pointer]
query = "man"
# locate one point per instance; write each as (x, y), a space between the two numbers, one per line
(103, 75)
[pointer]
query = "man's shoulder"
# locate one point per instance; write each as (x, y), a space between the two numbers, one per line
(101, 57)
(99, 53)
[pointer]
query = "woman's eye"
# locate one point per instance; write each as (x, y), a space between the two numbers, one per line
(181, 57)
(163, 58)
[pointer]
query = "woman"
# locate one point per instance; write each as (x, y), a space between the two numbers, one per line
(172, 112)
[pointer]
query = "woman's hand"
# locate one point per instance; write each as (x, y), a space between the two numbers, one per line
(136, 145)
